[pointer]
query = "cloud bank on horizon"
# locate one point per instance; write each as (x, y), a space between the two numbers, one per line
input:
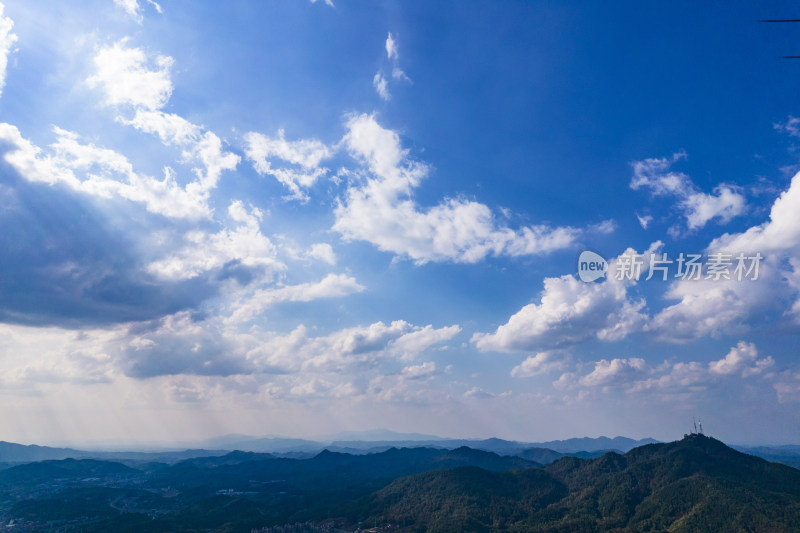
(213, 223)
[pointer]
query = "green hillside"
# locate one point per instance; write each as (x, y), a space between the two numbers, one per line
(696, 484)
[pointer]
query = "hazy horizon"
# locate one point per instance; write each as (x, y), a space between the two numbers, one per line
(222, 442)
(306, 218)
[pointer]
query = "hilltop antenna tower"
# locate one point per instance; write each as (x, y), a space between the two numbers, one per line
(694, 421)
(701, 426)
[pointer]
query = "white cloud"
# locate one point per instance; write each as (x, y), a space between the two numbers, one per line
(605, 227)
(7, 40)
(170, 128)
(614, 371)
(787, 386)
(331, 286)
(391, 47)
(128, 77)
(132, 8)
(541, 363)
(393, 56)
(399, 74)
(570, 312)
(327, 2)
(738, 359)
(379, 81)
(198, 145)
(698, 207)
(716, 307)
(203, 252)
(360, 347)
(634, 375)
(305, 155)
(409, 345)
(31, 163)
(100, 172)
(480, 394)
(792, 126)
(323, 252)
(644, 220)
(381, 85)
(340, 363)
(681, 378)
(780, 233)
(33, 357)
(380, 209)
(423, 371)
(742, 360)
(156, 6)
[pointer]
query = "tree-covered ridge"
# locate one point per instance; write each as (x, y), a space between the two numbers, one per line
(696, 484)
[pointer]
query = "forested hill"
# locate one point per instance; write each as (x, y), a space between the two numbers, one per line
(696, 484)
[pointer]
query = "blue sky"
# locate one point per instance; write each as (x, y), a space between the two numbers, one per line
(300, 218)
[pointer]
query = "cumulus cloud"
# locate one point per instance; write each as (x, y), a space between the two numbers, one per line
(423, 371)
(362, 346)
(245, 245)
(180, 344)
(380, 209)
(714, 308)
(7, 40)
(68, 262)
(184, 344)
(614, 371)
(724, 306)
(322, 251)
(781, 233)
(296, 365)
(409, 345)
(36, 356)
(739, 359)
(696, 206)
(130, 79)
(570, 312)
(197, 144)
(634, 375)
(304, 157)
(100, 172)
(541, 363)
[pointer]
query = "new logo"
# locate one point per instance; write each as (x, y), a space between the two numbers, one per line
(591, 266)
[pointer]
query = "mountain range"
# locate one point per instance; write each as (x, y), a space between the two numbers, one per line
(695, 484)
